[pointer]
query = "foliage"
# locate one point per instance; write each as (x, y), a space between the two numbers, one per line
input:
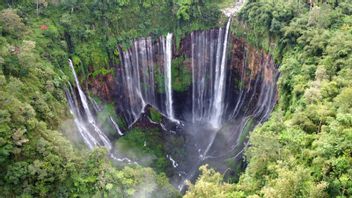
(181, 74)
(102, 71)
(159, 79)
(93, 29)
(210, 184)
(100, 179)
(144, 145)
(155, 116)
(183, 11)
(304, 149)
(36, 160)
(104, 113)
(11, 23)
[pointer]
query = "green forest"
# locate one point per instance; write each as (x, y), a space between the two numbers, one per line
(304, 149)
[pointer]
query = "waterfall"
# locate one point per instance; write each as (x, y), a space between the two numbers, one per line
(240, 93)
(93, 137)
(145, 77)
(237, 91)
(167, 73)
(132, 83)
(117, 128)
(146, 74)
(88, 139)
(208, 60)
(85, 122)
(219, 95)
(205, 53)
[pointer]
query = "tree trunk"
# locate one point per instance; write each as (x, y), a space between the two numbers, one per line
(37, 7)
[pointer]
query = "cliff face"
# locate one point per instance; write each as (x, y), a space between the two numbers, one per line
(251, 73)
(103, 86)
(249, 85)
(252, 80)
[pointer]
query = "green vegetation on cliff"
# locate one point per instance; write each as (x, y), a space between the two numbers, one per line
(36, 160)
(36, 40)
(181, 74)
(304, 150)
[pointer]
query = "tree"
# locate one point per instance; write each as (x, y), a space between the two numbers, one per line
(11, 23)
(210, 185)
(183, 11)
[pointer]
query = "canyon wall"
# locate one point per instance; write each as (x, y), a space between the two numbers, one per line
(250, 86)
(217, 87)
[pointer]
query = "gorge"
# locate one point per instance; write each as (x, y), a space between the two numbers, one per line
(176, 98)
(212, 124)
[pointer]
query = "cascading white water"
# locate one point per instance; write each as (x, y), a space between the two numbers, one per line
(88, 139)
(205, 60)
(218, 105)
(167, 75)
(132, 84)
(141, 76)
(208, 59)
(146, 77)
(81, 94)
(174, 163)
(95, 105)
(101, 137)
(92, 135)
(117, 128)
